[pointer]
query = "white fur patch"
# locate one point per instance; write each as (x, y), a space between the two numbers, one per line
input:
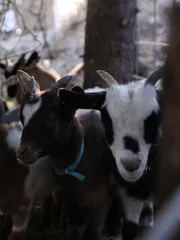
(148, 221)
(40, 180)
(18, 229)
(81, 112)
(95, 89)
(14, 135)
(24, 212)
(128, 106)
(132, 207)
(29, 110)
(158, 85)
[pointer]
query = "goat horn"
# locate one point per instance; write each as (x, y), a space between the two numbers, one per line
(23, 77)
(154, 76)
(60, 83)
(106, 77)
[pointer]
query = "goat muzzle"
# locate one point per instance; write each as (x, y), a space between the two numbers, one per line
(27, 155)
(131, 165)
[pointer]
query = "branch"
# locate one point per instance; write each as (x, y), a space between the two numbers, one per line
(42, 27)
(25, 25)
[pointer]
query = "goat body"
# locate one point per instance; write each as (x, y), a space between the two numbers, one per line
(10, 116)
(20, 185)
(130, 114)
(62, 141)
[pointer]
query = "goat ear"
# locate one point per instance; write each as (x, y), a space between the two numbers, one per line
(27, 83)
(3, 66)
(33, 60)
(77, 89)
(76, 100)
(20, 64)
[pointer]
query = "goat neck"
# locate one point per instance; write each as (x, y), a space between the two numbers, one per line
(69, 149)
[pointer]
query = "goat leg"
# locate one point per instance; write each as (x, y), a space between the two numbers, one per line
(132, 210)
(45, 213)
(72, 217)
(130, 230)
(96, 219)
(5, 226)
(20, 221)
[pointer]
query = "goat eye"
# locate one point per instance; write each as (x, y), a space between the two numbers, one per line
(52, 119)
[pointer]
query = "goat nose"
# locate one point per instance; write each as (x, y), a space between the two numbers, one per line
(131, 164)
(23, 150)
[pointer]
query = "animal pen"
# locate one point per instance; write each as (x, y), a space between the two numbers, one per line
(167, 221)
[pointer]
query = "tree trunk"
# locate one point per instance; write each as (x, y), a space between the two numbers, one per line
(109, 42)
(169, 167)
(168, 176)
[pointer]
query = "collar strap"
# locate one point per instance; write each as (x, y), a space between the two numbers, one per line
(70, 170)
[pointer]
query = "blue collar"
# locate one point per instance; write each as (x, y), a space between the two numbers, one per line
(70, 170)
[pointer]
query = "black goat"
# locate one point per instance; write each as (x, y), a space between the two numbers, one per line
(77, 145)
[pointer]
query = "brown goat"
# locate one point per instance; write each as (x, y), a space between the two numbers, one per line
(20, 185)
(45, 78)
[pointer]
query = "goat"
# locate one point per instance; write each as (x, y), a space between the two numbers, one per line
(45, 78)
(130, 114)
(37, 71)
(13, 115)
(4, 102)
(1, 110)
(10, 116)
(51, 127)
(20, 185)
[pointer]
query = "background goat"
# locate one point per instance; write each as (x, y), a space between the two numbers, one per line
(45, 78)
(2, 110)
(20, 185)
(15, 90)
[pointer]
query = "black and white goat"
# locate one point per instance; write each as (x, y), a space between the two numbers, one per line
(20, 185)
(78, 147)
(131, 117)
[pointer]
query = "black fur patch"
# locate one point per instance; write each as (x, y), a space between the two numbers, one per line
(12, 90)
(131, 144)
(130, 230)
(151, 127)
(21, 115)
(107, 122)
